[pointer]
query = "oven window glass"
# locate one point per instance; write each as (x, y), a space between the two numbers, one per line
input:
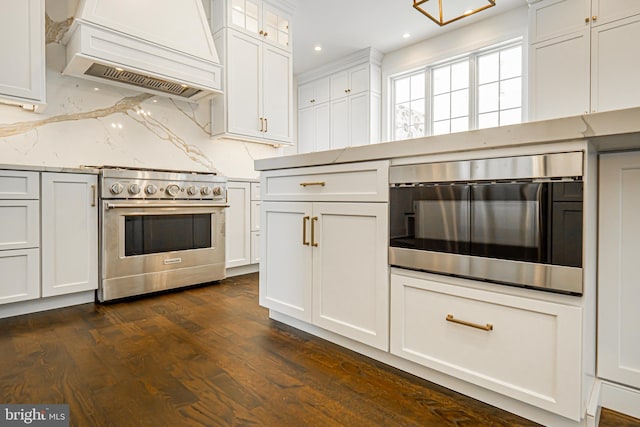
(150, 234)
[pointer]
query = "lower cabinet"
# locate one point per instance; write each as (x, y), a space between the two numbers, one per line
(242, 224)
(20, 279)
(69, 233)
(524, 348)
(326, 263)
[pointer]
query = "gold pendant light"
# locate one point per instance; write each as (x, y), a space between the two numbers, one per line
(451, 10)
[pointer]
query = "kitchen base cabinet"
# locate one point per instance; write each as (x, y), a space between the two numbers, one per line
(69, 233)
(523, 348)
(20, 279)
(242, 228)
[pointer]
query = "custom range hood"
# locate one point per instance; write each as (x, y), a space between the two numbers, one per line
(159, 47)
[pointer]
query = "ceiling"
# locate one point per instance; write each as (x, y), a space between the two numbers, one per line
(342, 27)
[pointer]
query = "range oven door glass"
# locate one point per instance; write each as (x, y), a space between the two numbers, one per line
(151, 234)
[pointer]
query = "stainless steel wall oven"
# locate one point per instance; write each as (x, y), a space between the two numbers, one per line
(159, 230)
(515, 220)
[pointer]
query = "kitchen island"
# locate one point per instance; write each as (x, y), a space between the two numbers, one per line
(325, 269)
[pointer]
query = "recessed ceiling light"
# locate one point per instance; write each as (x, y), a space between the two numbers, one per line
(406, 35)
(318, 48)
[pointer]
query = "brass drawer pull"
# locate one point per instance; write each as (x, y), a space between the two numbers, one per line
(308, 184)
(313, 232)
(93, 195)
(304, 230)
(450, 318)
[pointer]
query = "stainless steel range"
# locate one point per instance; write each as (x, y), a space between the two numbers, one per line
(160, 229)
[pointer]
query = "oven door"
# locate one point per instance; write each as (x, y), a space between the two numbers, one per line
(149, 246)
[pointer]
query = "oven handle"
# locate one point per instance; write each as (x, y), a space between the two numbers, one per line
(164, 205)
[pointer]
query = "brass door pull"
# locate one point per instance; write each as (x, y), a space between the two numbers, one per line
(308, 184)
(450, 318)
(266, 123)
(261, 124)
(313, 232)
(93, 195)
(304, 230)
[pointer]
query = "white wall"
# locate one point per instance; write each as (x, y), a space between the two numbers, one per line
(113, 126)
(493, 30)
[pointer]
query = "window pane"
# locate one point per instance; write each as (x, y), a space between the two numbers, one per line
(440, 128)
(401, 133)
(252, 25)
(488, 98)
(272, 20)
(402, 91)
(460, 75)
(252, 10)
(488, 68)
(238, 5)
(441, 80)
(417, 86)
(403, 114)
(417, 130)
(441, 107)
(417, 110)
(487, 120)
(237, 18)
(283, 25)
(460, 103)
(460, 124)
(511, 63)
(511, 93)
(509, 117)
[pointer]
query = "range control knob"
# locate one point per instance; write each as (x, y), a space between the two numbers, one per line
(192, 190)
(205, 190)
(173, 190)
(116, 188)
(151, 189)
(217, 191)
(134, 189)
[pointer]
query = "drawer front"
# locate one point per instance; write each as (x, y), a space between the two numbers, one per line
(255, 216)
(19, 185)
(525, 349)
(354, 182)
(255, 191)
(20, 280)
(20, 221)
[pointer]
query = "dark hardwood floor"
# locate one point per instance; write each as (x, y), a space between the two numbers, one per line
(209, 356)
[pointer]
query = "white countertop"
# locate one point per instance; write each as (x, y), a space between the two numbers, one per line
(45, 168)
(608, 131)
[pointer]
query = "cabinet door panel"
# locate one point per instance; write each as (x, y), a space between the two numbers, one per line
(618, 269)
(237, 223)
(323, 127)
(359, 79)
(350, 281)
(19, 224)
(306, 130)
(69, 233)
(359, 119)
(243, 84)
(611, 10)
(557, 18)
(285, 267)
(338, 85)
(615, 63)
(340, 123)
(20, 279)
(560, 77)
(276, 90)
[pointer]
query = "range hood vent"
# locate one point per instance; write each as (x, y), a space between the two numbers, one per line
(166, 50)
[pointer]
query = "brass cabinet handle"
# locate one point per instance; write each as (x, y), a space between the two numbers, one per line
(450, 318)
(594, 18)
(309, 184)
(266, 34)
(266, 125)
(93, 195)
(312, 101)
(261, 32)
(586, 19)
(261, 124)
(304, 230)
(313, 232)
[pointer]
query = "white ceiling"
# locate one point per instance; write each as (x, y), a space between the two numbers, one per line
(342, 27)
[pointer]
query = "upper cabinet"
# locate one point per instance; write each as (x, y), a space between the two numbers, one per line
(583, 56)
(339, 104)
(252, 38)
(22, 57)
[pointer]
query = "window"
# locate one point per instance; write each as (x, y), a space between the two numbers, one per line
(409, 106)
(479, 90)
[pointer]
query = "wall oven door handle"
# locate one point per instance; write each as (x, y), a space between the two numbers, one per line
(164, 205)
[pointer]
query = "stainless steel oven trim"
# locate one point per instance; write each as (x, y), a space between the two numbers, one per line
(155, 205)
(518, 273)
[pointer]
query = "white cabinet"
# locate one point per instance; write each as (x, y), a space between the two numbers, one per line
(22, 56)
(583, 57)
(255, 222)
(618, 269)
(307, 271)
(242, 221)
(19, 236)
(257, 104)
(352, 116)
(524, 348)
(69, 233)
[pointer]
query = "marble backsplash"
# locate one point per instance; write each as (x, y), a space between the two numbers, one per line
(87, 123)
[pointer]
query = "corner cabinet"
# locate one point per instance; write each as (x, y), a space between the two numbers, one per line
(306, 271)
(257, 104)
(69, 233)
(618, 269)
(22, 53)
(583, 57)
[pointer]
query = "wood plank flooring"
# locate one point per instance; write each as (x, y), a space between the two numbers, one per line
(209, 356)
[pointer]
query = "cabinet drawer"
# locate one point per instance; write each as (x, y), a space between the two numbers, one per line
(523, 348)
(20, 221)
(20, 279)
(354, 182)
(255, 191)
(19, 185)
(255, 215)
